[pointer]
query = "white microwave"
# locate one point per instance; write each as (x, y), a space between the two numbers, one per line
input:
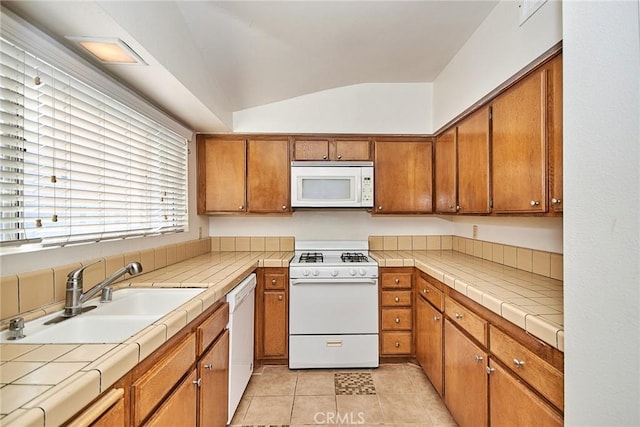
(331, 184)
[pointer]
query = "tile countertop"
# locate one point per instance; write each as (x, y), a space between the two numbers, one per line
(530, 301)
(52, 382)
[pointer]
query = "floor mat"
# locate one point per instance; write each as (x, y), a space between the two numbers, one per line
(354, 383)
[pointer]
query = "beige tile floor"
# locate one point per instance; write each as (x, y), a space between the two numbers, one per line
(279, 396)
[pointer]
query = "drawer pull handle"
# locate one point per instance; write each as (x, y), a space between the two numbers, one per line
(458, 316)
(397, 320)
(279, 297)
(436, 318)
(397, 344)
(478, 359)
(397, 281)
(274, 281)
(208, 367)
(334, 343)
(397, 299)
(425, 291)
(518, 363)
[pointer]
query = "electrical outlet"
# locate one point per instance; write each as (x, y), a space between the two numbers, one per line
(475, 231)
(199, 232)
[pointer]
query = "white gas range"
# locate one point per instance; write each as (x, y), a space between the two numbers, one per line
(333, 306)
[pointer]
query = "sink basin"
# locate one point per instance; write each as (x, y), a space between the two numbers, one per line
(131, 310)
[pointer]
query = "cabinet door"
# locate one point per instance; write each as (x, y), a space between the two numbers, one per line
(213, 369)
(268, 188)
(351, 149)
(519, 146)
(221, 175)
(473, 163)
(275, 328)
(403, 176)
(446, 172)
(179, 409)
(514, 404)
(429, 341)
(465, 378)
(311, 149)
(555, 133)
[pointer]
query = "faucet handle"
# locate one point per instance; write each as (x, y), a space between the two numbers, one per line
(77, 273)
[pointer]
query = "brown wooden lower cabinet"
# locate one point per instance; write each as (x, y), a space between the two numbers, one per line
(179, 409)
(465, 378)
(514, 404)
(429, 342)
(213, 395)
(272, 315)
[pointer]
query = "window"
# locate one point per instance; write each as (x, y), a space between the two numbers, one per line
(79, 166)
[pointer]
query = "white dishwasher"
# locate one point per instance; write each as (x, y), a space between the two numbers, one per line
(241, 301)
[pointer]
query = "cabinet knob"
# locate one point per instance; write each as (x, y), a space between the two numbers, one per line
(518, 363)
(284, 207)
(339, 156)
(279, 297)
(556, 201)
(450, 206)
(379, 208)
(324, 157)
(397, 281)
(397, 299)
(208, 367)
(240, 207)
(490, 370)
(534, 203)
(436, 318)
(397, 320)
(458, 208)
(425, 291)
(458, 316)
(397, 344)
(478, 358)
(197, 382)
(273, 281)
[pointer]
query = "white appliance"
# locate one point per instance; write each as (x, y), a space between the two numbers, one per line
(332, 184)
(333, 306)
(241, 301)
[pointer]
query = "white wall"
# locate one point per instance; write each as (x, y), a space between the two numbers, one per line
(364, 108)
(498, 49)
(601, 212)
(15, 263)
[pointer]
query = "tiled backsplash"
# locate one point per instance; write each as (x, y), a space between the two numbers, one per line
(253, 244)
(548, 264)
(31, 294)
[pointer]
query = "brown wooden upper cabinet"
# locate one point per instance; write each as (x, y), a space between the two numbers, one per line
(403, 176)
(446, 172)
(473, 163)
(555, 136)
(239, 175)
(337, 149)
(524, 123)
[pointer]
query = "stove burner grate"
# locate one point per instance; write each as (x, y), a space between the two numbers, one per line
(353, 257)
(311, 257)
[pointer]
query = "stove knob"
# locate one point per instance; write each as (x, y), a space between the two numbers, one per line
(315, 272)
(334, 273)
(305, 272)
(352, 272)
(362, 272)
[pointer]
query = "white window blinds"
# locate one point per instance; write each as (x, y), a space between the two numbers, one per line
(77, 165)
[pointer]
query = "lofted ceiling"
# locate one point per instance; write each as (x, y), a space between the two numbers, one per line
(207, 59)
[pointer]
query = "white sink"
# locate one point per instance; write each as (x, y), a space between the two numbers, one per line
(131, 310)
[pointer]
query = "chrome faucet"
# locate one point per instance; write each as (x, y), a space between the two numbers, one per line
(75, 297)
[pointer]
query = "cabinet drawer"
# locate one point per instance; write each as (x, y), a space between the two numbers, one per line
(396, 319)
(396, 280)
(396, 298)
(275, 281)
(396, 343)
(467, 320)
(209, 330)
(529, 366)
(429, 292)
(153, 386)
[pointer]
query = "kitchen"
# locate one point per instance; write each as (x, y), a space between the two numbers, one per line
(584, 223)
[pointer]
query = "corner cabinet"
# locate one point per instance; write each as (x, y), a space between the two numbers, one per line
(237, 175)
(272, 315)
(524, 123)
(403, 176)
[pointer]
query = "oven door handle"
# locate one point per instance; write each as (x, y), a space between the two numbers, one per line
(336, 281)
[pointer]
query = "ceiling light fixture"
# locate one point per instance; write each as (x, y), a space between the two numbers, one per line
(109, 50)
